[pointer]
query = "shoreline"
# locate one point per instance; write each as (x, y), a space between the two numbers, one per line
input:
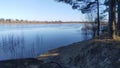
(40, 23)
(102, 23)
(85, 53)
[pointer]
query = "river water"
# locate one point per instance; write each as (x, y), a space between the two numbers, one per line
(29, 41)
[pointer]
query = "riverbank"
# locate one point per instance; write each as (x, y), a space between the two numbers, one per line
(17, 21)
(95, 53)
(40, 22)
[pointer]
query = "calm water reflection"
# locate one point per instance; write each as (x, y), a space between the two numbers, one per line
(23, 41)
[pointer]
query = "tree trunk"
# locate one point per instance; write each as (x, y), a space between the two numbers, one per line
(98, 19)
(112, 10)
(118, 23)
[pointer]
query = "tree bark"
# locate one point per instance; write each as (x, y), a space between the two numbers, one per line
(98, 19)
(118, 21)
(112, 9)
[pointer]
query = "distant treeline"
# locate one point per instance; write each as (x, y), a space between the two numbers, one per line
(17, 21)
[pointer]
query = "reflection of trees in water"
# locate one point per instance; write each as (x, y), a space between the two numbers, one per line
(39, 42)
(22, 43)
(36, 45)
(11, 43)
(86, 31)
(17, 47)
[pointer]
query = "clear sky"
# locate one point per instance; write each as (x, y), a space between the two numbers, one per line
(42, 10)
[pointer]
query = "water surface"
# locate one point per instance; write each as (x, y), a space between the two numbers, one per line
(27, 41)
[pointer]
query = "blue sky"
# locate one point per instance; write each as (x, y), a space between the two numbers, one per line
(42, 10)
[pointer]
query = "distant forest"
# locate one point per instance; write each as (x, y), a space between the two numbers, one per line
(17, 21)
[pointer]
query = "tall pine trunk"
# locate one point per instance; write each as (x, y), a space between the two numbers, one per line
(112, 9)
(118, 23)
(98, 19)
